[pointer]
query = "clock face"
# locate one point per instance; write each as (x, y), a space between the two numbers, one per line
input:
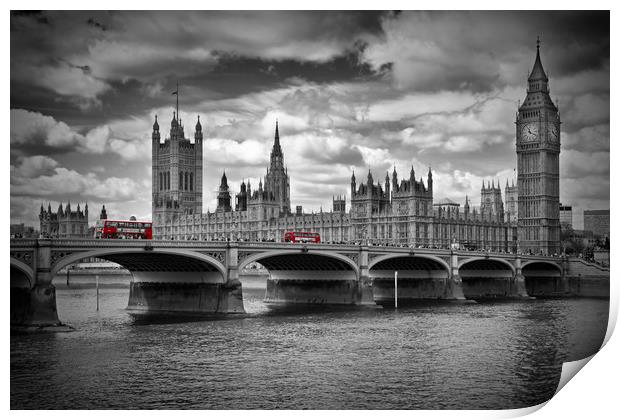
(529, 132)
(552, 132)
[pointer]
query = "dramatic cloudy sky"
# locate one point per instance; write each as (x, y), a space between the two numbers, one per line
(352, 91)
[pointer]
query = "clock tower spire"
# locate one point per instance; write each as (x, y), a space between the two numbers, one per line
(538, 164)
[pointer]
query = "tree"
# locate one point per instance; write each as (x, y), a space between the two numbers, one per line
(570, 244)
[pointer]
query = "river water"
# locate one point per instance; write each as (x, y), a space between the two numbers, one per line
(446, 356)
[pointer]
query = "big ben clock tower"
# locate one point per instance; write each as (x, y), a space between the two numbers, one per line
(538, 165)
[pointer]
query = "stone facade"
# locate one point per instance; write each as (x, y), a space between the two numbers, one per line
(397, 211)
(511, 213)
(64, 223)
(538, 166)
(177, 174)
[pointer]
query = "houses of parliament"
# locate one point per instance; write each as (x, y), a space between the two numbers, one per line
(400, 210)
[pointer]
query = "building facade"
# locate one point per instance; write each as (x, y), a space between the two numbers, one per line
(511, 193)
(64, 223)
(538, 166)
(395, 211)
(566, 217)
(596, 221)
(176, 174)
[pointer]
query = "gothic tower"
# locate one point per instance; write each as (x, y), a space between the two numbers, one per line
(538, 166)
(277, 180)
(176, 174)
(223, 196)
(491, 204)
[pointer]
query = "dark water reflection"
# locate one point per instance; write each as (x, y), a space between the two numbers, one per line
(491, 355)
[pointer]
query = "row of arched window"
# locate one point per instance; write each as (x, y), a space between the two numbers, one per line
(531, 114)
(186, 181)
(164, 180)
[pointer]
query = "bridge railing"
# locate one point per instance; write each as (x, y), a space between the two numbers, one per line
(144, 243)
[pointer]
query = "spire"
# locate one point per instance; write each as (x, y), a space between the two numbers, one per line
(538, 73)
(198, 126)
(276, 151)
(353, 177)
(369, 177)
(156, 124)
(430, 172)
(224, 182)
(483, 185)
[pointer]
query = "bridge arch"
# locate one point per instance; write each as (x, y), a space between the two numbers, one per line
(154, 260)
(308, 277)
(542, 263)
(382, 258)
(487, 278)
(471, 260)
(261, 257)
(22, 274)
(542, 278)
(420, 277)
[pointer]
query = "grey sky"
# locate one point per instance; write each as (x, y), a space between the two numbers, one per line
(351, 90)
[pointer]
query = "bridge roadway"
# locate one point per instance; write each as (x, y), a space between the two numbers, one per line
(203, 277)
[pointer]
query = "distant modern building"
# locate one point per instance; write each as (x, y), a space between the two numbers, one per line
(596, 221)
(64, 223)
(566, 217)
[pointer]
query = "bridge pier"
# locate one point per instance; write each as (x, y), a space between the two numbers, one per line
(454, 284)
(365, 282)
(201, 292)
(286, 288)
(34, 307)
(33, 302)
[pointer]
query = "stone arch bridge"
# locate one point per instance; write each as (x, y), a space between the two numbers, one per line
(203, 277)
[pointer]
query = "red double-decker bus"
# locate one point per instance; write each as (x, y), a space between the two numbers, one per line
(123, 229)
(302, 237)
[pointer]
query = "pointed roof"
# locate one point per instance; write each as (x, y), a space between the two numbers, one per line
(538, 72)
(198, 125)
(224, 182)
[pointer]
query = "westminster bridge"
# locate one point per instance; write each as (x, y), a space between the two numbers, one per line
(203, 277)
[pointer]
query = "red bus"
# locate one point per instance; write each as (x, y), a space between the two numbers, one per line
(123, 229)
(302, 237)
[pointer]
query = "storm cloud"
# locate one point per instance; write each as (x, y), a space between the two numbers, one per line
(351, 91)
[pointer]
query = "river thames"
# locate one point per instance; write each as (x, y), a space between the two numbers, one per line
(496, 355)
